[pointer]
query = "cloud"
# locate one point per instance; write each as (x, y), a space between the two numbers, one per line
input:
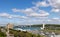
(11, 16)
(18, 16)
(32, 13)
(40, 14)
(40, 4)
(49, 20)
(36, 12)
(26, 11)
(5, 15)
(55, 3)
(55, 19)
(55, 10)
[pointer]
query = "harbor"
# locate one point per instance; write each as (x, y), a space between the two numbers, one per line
(38, 30)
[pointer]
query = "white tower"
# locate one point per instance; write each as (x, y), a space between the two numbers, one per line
(43, 25)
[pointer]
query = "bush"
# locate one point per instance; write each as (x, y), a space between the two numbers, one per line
(2, 34)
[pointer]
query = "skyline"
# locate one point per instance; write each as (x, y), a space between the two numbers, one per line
(24, 12)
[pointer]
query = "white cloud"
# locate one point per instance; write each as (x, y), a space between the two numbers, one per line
(55, 3)
(41, 14)
(32, 13)
(55, 10)
(55, 19)
(43, 3)
(35, 12)
(26, 11)
(35, 8)
(18, 16)
(49, 20)
(5, 15)
(11, 16)
(15, 10)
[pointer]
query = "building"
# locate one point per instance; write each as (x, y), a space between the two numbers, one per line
(9, 26)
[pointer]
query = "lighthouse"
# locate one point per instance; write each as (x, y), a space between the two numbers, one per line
(43, 26)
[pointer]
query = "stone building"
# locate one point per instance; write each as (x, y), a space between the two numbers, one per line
(9, 26)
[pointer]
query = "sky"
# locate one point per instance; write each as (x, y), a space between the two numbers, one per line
(28, 12)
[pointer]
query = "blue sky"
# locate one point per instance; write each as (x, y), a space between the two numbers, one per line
(26, 12)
